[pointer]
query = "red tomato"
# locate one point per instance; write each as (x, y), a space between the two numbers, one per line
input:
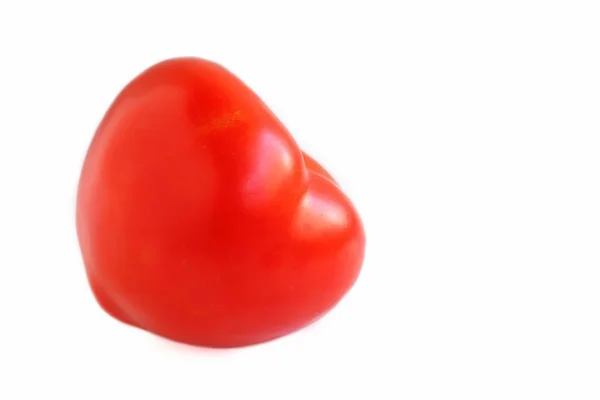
(200, 219)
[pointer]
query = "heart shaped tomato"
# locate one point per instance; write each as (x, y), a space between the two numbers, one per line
(200, 219)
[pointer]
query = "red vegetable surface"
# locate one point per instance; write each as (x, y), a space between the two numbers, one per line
(201, 220)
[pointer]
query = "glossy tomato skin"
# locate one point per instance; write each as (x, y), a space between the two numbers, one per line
(200, 219)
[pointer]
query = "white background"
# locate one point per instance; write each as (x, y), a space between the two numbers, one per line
(467, 134)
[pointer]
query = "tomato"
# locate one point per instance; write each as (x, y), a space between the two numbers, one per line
(200, 219)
